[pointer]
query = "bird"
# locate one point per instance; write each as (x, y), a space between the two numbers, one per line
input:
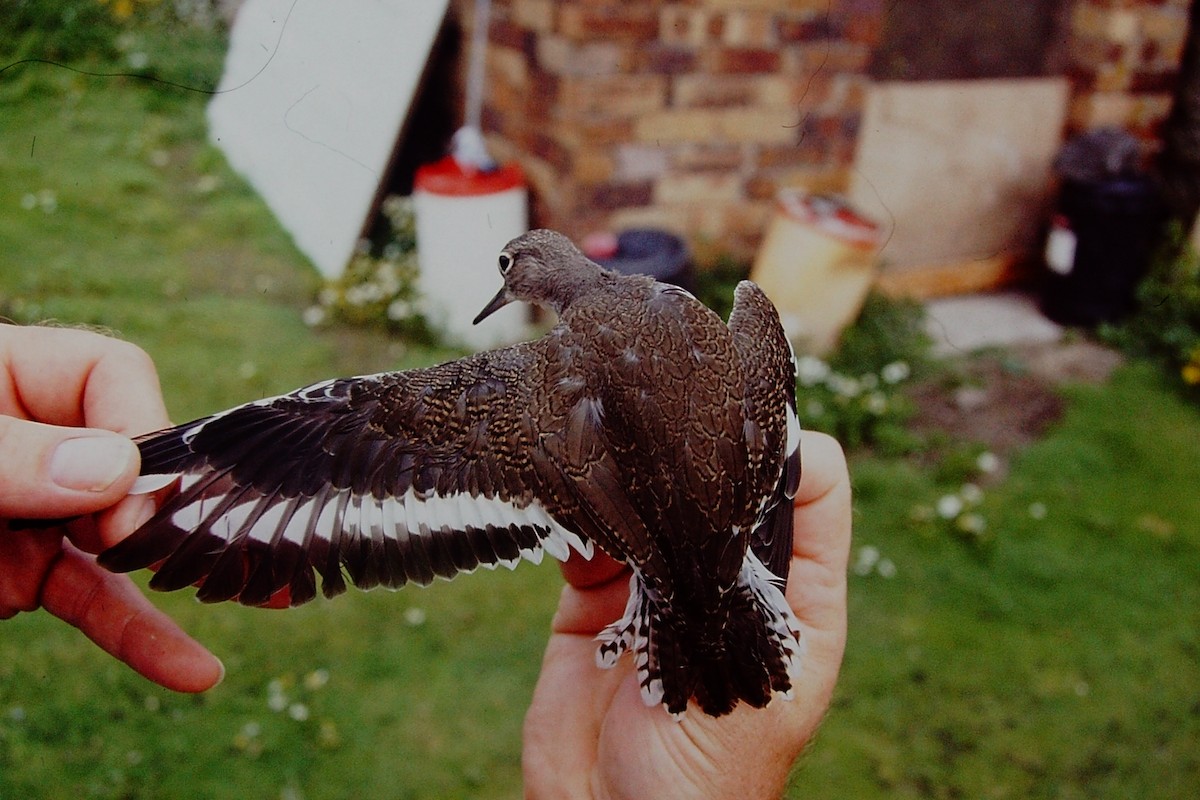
(640, 424)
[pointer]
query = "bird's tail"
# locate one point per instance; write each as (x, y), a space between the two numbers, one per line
(758, 655)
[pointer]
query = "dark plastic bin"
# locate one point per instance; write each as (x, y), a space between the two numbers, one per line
(657, 253)
(1106, 231)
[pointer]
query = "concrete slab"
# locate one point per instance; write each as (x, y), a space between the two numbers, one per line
(1003, 319)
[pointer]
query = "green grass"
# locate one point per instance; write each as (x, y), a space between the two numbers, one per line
(1058, 660)
(151, 236)
(1061, 660)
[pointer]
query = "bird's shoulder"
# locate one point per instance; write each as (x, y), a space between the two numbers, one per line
(484, 387)
(762, 347)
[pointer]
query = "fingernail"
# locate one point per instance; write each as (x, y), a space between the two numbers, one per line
(90, 463)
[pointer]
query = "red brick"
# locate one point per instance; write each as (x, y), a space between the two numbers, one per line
(614, 95)
(563, 56)
(549, 150)
(772, 157)
(508, 34)
(827, 57)
(749, 28)
(626, 22)
(762, 186)
(593, 130)
(795, 28)
(609, 196)
(537, 15)
(508, 65)
(714, 91)
(640, 162)
(710, 188)
(717, 157)
(683, 25)
(743, 60)
(543, 96)
(1153, 82)
(591, 165)
(680, 125)
(863, 29)
(666, 59)
(723, 91)
(731, 125)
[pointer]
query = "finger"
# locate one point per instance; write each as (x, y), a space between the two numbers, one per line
(47, 471)
(25, 558)
(71, 377)
(113, 524)
(596, 592)
(584, 573)
(816, 588)
(822, 504)
(586, 611)
(113, 613)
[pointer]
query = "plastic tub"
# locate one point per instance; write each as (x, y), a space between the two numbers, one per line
(649, 251)
(464, 218)
(817, 263)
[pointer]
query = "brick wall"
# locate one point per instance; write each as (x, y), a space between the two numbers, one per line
(1123, 59)
(685, 115)
(690, 115)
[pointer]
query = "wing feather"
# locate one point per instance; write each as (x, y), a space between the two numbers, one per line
(772, 424)
(385, 479)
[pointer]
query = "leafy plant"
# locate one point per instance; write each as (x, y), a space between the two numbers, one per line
(857, 394)
(379, 287)
(863, 409)
(69, 30)
(1166, 324)
(958, 512)
(887, 330)
(715, 284)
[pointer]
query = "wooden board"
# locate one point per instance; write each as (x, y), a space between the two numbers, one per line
(963, 277)
(959, 172)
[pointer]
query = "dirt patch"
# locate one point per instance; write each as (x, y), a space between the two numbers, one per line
(1007, 401)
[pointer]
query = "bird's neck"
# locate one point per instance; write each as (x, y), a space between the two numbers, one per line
(593, 279)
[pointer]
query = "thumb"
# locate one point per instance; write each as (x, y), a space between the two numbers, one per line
(48, 471)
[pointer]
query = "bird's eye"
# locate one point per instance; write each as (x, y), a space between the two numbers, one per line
(506, 262)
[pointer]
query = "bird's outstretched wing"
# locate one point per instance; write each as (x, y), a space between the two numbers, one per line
(769, 366)
(392, 478)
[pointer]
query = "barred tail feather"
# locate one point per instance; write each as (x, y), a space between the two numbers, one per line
(760, 656)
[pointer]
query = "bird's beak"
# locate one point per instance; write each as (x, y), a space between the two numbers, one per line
(498, 302)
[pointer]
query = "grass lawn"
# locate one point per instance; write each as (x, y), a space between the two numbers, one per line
(1060, 659)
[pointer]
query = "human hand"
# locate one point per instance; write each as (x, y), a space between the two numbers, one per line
(69, 400)
(588, 733)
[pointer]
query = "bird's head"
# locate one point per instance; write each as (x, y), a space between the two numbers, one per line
(542, 267)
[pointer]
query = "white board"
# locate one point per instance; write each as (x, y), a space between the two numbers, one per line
(309, 108)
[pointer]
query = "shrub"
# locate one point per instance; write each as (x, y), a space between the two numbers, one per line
(888, 330)
(379, 287)
(862, 409)
(1165, 326)
(856, 395)
(68, 30)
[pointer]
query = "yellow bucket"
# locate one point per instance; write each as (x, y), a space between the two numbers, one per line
(817, 263)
